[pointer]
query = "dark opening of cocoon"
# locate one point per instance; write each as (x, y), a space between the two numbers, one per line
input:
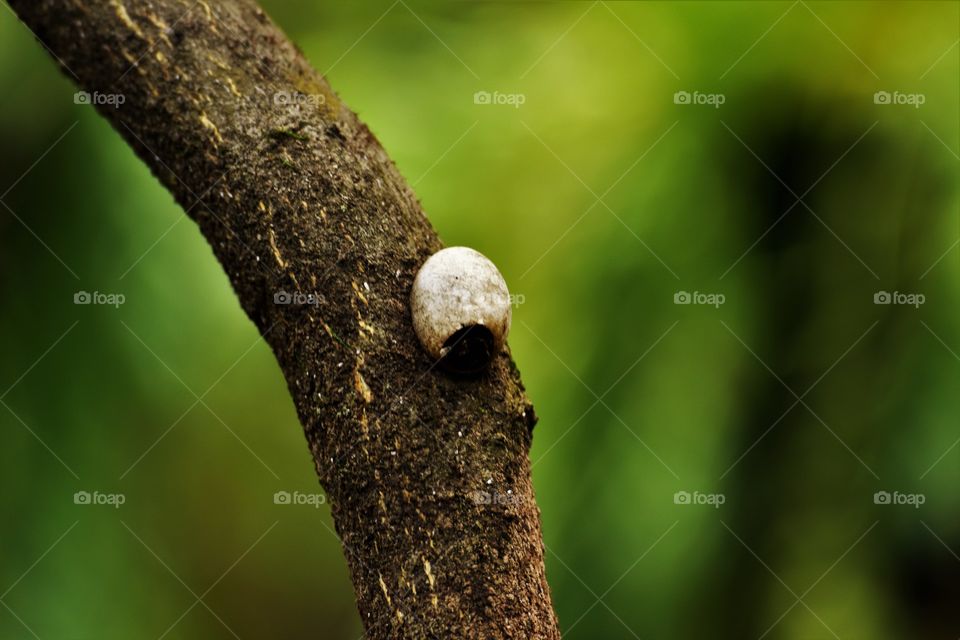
(469, 350)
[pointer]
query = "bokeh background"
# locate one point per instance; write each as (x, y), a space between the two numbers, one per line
(703, 470)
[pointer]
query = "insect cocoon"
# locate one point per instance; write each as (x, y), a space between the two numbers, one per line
(461, 309)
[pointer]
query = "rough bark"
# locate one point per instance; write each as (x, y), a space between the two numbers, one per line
(301, 199)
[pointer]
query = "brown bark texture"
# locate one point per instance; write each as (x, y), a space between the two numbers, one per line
(428, 475)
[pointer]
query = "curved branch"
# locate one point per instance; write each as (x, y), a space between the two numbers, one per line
(428, 476)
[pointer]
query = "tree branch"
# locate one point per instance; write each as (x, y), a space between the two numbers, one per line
(428, 476)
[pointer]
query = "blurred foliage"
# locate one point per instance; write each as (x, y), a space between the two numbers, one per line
(600, 198)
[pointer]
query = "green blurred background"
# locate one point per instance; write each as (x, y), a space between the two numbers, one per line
(601, 198)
